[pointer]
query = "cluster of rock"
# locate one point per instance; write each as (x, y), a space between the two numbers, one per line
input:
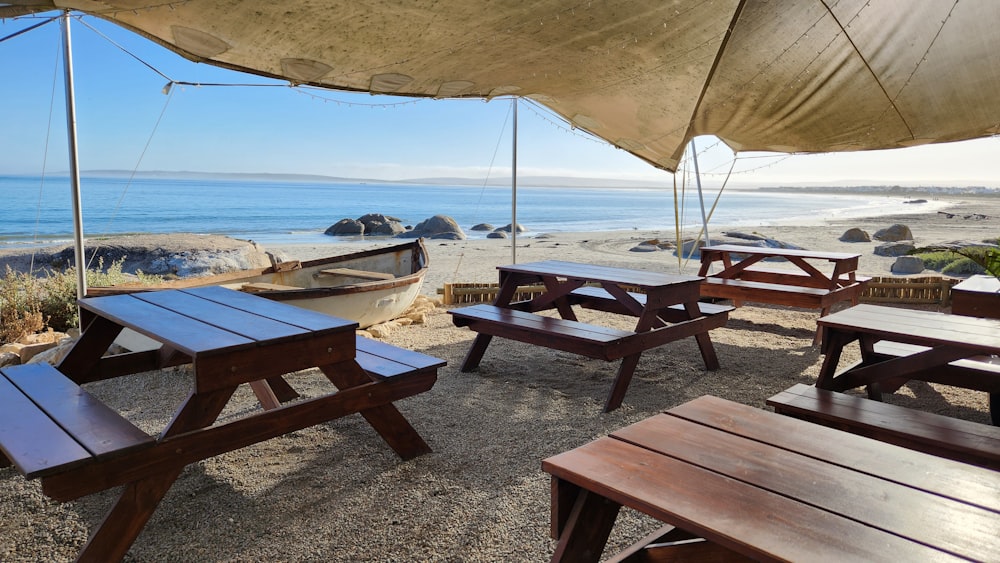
(499, 232)
(48, 346)
(897, 241)
(376, 224)
(436, 227)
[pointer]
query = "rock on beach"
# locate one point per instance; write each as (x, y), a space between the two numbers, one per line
(178, 255)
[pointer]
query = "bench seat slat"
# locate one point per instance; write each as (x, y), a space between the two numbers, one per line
(779, 293)
(32, 441)
(939, 435)
(385, 360)
(540, 324)
(792, 277)
(99, 429)
(352, 273)
(762, 287)
(569, 336)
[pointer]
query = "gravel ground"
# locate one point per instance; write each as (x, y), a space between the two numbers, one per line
(336, 492)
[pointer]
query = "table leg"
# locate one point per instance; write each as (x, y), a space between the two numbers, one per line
(139, 498)
(476, 352)
(703, 339)
(127, 518)
(281, 389)
(622, 380)
(265, 396)
(273, 391)
(895, 368)
(833, 345)
(83, 358)
(390, 424)
(587, 529)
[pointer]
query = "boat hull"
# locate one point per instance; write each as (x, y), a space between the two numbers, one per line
(369, 287)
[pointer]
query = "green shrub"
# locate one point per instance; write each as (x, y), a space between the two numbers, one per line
(961, 261)
(30, 304)
(938, 260)
(963, 267)
(20, 306)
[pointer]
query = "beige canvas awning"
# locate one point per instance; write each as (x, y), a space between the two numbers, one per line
(646, 75)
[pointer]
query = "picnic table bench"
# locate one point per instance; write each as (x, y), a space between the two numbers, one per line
(808, 287)
(667, 309)
(52, 429)
(732, 482)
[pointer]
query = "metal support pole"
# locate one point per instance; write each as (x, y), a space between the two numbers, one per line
(513, 191)
(701, 198)
(74, 166)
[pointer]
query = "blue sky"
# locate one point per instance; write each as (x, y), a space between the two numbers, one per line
(125, 122)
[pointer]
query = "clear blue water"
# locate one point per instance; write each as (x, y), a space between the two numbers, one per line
(39, 212)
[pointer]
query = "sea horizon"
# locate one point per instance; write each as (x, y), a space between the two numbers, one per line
(281, 212)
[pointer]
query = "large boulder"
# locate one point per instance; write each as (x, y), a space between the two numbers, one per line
(907, 265)
(377, 224)
(177, 255)
(894, 233)
(855, 235)
(346, 227)
(894, 249)
(482, 227)
(645, 246)
(436, 227)
(507, 228)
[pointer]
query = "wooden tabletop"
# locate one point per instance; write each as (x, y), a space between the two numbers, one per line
(229, 336)
(775, 488)
(768, 251)
(600, 274)
(928, 328)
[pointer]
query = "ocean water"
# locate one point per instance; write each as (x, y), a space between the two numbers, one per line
(39, 212)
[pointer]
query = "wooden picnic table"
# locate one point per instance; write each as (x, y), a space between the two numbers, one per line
(898, 345)
(230, 338)
(979, 296)
(733, 483)
(806, 286)
(666, 305)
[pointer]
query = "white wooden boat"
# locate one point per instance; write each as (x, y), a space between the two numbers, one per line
(370, 287)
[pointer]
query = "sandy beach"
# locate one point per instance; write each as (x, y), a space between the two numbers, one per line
(336, 492)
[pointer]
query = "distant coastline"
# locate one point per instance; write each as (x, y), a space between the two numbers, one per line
(505, 181)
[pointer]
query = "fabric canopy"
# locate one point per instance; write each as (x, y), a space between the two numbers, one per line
(645, 75)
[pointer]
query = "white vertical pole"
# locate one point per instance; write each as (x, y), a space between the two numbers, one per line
(701, 198)
(74, 167)
(513, 191)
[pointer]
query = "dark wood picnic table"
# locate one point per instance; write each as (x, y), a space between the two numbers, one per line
(898, 345)
(807, 285)
(666, 305)
(54, 430)
(733, 483)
